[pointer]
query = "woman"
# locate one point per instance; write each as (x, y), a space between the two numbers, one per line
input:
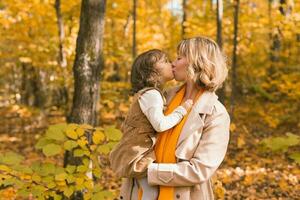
(190, 153)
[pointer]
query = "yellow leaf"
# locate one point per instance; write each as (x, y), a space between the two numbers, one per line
(110, 104)
(79, 181)
(93, 147)
(5, 168)
(108, 116)
(240, 141)
(68, 191)
(71, 134)
(51, 185)
(248, 180)
(86, 126)
(219, 190)
(87, 196)
(61, 183)
(61, 177)
(25, 177)
(123, 108)
(232, 127)
(72, 126)
(36, 178)
(80, 131)
(87, 153)
(283, 185)
(82, 142)
(88, 184)
(98, 137)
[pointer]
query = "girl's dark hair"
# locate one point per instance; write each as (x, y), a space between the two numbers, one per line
(143, 73)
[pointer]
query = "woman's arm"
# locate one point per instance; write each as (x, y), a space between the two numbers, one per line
(208, 156)
(151, 103)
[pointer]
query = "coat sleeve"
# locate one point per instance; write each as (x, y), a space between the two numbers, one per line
(208, 156)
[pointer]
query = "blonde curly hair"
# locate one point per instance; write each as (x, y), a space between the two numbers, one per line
(207, 64)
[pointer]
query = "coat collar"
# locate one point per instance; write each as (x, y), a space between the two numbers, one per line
(205, 103)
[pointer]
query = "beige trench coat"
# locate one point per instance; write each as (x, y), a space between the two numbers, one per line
(200, 150)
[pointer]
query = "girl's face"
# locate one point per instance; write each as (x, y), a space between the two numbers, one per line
(164, 68)
(179, 68)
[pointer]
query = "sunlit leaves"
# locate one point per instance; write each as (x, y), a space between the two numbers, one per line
(295, 157)
(51, 149)
(98, 137)
(282, 143)
(46, 179)
(112, 133)
(56, 132)
(70, 168)
(68, 191)
(104, 149)
(71, 134)
(70, 144)
(11, 158)
(103, 195)
(43, 142)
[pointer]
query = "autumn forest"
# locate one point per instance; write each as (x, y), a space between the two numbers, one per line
(65, 91)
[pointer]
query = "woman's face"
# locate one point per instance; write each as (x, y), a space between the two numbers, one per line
(164, 68)
(179, 68)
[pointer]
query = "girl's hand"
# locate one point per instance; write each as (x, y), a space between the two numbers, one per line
(188, 104)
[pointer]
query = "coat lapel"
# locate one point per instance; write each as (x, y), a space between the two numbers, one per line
(204, 105)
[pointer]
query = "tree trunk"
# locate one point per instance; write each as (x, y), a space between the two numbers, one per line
(204, 4)
(87, 68)
(219, 17)
(32, 93)
(32, 84)
(61, 35)
(62, 60)
(134, 29)
(37, 89)
(115, 76)
(126, 30)
(25, 93)
(219, 22)
(184, 2)
(285, 9)
(88, 62)
(211, 5)
(234, 57)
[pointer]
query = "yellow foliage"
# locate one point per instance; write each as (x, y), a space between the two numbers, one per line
(71, 134)
(240, 141)
(80, 132)
(98, 137)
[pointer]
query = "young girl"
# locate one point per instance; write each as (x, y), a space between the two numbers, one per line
(133, 154)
